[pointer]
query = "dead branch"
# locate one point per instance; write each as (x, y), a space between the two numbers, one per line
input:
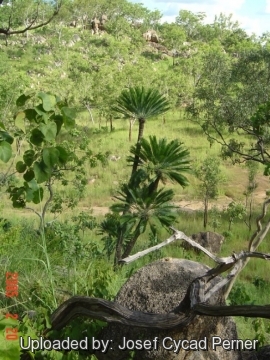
(225, 263)
(178, 235)
(112, 312)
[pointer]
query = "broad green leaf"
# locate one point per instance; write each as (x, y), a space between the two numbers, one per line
(28, 195)
(31, 185)
(63, 154)
(19, 120)
(29, 157)
(58, 119)
(48, 101)
(69, 117)
(18, 203)
(29, 175)
(9, 349)
(49, 131)
(50, 156)
(20, 167)
(33, 192)
(38, 196)
(37, 137)
(2, 126)
(42, 172)
(31, 115)
(44, 116)
(17, 196)
(5, 151)
(4, 136)
(22, 99)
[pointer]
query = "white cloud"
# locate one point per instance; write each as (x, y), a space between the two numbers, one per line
(267, 8)
(257, 24)
(252, 19)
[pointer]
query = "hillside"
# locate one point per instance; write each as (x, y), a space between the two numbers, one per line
(81, 189)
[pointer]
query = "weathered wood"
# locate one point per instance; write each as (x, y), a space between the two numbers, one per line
(178, 235)
(112, 312)
(109, 311)
(262, 311)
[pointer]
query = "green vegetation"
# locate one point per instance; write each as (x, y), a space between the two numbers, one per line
(77, 195)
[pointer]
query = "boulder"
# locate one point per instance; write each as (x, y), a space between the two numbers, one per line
(210, 240)
(151, 35)
(158, 288)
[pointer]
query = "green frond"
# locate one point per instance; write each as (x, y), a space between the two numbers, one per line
(141, 103)
(162, 160)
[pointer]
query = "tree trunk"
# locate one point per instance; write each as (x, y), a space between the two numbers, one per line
(132, 242)
(140, 135)
(111, 124)
(118, 250)
(205, 215)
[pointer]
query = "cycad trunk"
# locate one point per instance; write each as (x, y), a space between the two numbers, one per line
(140, 135)
(132, 242)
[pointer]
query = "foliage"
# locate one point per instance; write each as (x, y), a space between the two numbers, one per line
(9, 350)
(235, 211)
(215, 218)
(46, 158)
(162, 161)
(141, 103)
(210, 176)
(19, 17)
(239, 295)
(222, 80)
(243, 86)
(141, 203)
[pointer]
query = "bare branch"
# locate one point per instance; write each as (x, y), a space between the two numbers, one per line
(257, 237)
(34, 211)
(8, 32)
(178, 235)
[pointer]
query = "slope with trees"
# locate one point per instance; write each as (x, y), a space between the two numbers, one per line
(214, 76)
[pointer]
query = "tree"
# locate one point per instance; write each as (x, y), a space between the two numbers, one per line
(235, 211)
(210, 176)
(142, 104)
(145, 207)
(231, 104)
(190, 22)
(162, 161)
(232, 98)
(35, 12)
(140, 199)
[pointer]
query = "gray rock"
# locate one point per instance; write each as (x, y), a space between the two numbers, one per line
(210, 240)
(159, 287)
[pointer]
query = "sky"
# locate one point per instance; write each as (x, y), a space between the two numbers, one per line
(253, 15)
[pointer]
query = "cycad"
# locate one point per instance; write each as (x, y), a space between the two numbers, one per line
(144, 208)
(162, 160)
(142, 104)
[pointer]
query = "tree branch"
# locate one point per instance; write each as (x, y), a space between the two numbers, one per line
(8, 32)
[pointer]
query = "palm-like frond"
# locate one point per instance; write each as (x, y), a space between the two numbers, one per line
(162, 160)
(144, 206)
(141, 103)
